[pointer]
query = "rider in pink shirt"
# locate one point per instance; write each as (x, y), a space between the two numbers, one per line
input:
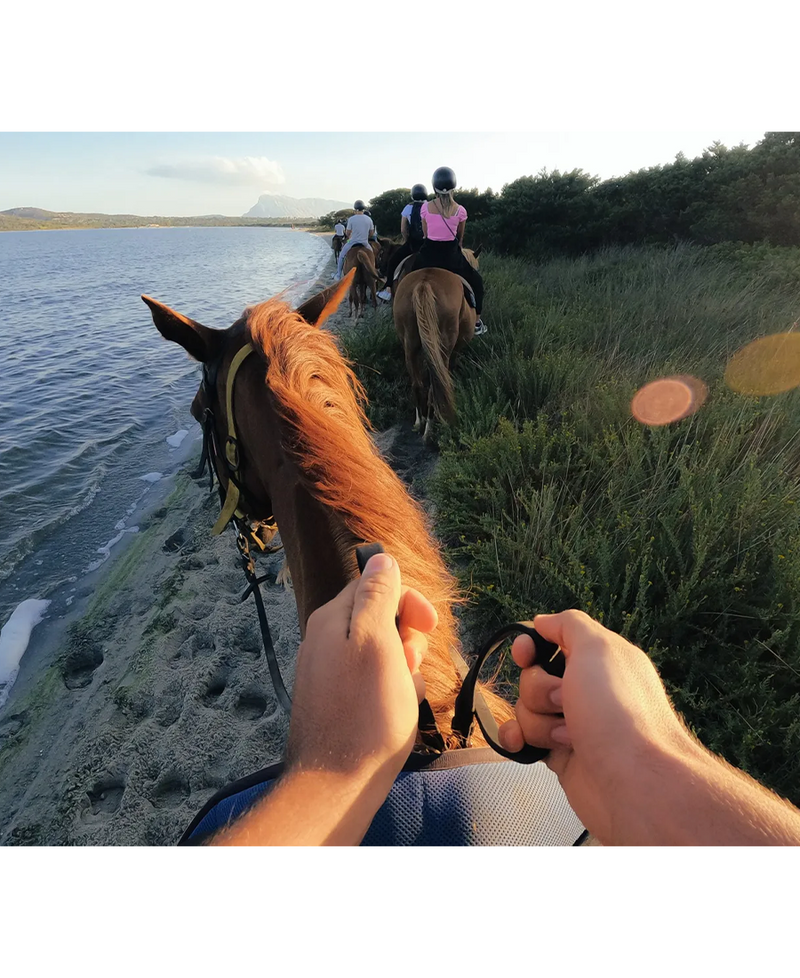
(441, 228)
(443, 221)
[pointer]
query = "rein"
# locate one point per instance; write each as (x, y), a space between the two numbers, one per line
(470, 704)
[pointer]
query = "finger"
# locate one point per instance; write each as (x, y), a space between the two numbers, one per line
(415, 645)
(536, 690)
(511, 736)
(523, 651)
(538, 729)
(377, 598)
(569, 629)
(416, 611)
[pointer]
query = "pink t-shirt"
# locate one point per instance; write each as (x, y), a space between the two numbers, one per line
(442, 228)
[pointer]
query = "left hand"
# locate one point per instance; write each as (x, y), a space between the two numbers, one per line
(358, 687)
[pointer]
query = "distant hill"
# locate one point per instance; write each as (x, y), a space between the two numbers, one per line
(298, 208)
(37, 219)
(34, 212)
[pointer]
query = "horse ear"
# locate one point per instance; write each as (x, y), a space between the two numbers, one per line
(478, 250)
(317, 309)
(199, 341)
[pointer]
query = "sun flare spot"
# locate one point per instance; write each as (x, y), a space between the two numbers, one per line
(668, 399)
(770, 365)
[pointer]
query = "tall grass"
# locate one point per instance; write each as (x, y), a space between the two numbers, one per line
(685, 538)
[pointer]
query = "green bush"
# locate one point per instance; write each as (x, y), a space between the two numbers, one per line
(684, 538)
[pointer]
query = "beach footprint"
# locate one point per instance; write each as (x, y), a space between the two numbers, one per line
(79, 663)
(171, 791)
(251, 704)
(105, 796)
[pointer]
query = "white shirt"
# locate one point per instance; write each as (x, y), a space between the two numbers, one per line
(339, 229)
(360, 227)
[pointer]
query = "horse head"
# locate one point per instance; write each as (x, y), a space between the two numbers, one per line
(472, 255)
(305, 458)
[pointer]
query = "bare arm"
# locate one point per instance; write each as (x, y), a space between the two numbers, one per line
(354, 715)
(631, 770)
(460, 232)
(404, 228)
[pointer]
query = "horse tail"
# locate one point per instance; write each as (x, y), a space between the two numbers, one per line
(367, 259)
(424, 303)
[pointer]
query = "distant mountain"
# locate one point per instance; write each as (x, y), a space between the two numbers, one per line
(36, 212)
(38, 219)
(276, 205)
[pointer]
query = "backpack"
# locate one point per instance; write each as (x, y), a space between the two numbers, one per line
(415, 232)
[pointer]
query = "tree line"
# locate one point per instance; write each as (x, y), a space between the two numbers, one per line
(739, 194)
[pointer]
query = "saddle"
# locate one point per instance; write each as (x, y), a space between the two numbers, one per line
(404, 266)
(461, 798)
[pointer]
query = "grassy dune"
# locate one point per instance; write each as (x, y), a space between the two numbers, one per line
(684, 538)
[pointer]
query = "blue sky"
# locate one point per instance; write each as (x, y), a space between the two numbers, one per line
(184, 174)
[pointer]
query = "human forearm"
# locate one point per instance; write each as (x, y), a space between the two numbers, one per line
(309, 808)
(692, 797)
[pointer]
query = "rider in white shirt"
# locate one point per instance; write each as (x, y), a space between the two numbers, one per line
(359, 231)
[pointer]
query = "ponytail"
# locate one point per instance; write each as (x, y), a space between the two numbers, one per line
(447, 205)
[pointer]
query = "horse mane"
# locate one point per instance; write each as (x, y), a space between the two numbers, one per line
(469, 255)
(321, 402)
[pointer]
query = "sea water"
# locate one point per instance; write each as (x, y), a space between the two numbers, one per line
(94, 404)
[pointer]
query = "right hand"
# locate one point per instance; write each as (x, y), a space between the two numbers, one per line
(617, 723)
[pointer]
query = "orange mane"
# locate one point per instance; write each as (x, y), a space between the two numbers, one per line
(321, 402)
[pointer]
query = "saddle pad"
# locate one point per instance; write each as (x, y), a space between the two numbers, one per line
(480, 804)
(468, 293)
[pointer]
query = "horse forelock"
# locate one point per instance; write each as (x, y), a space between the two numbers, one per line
(321, 402)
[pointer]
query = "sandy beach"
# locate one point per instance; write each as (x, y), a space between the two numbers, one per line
(158, 693)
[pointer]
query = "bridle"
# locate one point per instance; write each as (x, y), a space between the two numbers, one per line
(248, 530)
(470, 704)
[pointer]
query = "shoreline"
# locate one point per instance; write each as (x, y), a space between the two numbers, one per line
(161, 227)
(151, 692)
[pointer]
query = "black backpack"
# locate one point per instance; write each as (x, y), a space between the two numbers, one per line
(415, 232)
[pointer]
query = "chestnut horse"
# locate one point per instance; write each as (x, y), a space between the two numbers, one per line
(363, 260)
(307, 459)
(433, 320)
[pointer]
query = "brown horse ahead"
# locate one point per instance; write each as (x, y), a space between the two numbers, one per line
(307, 457)
(363, 260)
(433, 319)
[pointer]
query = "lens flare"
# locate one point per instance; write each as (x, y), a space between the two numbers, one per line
(668, 399)
(770, 365)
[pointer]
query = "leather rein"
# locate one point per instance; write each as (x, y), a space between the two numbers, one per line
(470, 704)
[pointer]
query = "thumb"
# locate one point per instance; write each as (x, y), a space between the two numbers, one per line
(377, 597)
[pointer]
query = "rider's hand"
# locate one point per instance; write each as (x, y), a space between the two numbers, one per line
(617, 723)
(358, 687)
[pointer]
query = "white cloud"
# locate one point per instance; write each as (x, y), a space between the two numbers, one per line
(245, 171)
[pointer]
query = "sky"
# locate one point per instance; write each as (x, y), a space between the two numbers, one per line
(186, 174)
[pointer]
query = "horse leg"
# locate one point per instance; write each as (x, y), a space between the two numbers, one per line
(429, 434)
(415, 369)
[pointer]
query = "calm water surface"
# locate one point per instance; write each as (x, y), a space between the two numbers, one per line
(90, 392)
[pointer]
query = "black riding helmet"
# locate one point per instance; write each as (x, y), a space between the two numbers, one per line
(443, 180)
(418, 192)
(359, 205)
